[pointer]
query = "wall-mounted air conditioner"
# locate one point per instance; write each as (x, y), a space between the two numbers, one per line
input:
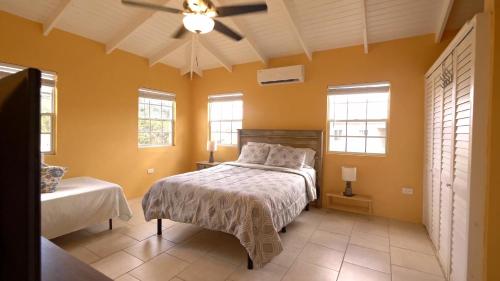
(281, 75)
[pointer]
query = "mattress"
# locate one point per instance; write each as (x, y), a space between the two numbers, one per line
(81, 202)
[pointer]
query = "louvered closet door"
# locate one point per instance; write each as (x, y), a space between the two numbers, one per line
(437, 133)
(447, 144)
(429, 94)
(463, 56)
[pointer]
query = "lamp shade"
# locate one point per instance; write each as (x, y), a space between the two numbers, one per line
(211, 146)
(198, 23)
(349, 173)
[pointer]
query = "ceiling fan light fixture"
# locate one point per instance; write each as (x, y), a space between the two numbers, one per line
(198, 23)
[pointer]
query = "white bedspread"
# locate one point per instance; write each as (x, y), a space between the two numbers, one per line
(81, 202)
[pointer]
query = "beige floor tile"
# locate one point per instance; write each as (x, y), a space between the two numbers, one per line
(287, 257)
(313, 216)
(126, 277)
(401, 227)
(415, 241)
(191, 250)
(83, 254)
(301, 271)
(176, 279)
(352, 272)
(207, 269)
(292, 239)
(372, 227)
(160, 268)
(105, 244)
(341, 226)
(228, 248)
(117, 264)
(270, 272)
(73, 239)
(302, 228)
(180, 232)
(149, 248)
(414, 260)
(371, 241)
(405, 274)
(141, 231)
(369, 258)
(331, 240)
(322, 256)
(103, 227)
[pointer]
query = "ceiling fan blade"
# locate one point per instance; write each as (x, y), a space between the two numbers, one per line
(151, 6)
(180, 32)
(224, 29)
(227, 11)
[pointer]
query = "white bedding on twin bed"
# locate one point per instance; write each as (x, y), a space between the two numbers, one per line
(81, 202)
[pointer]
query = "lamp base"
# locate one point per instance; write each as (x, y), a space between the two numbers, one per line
(211, 158)
(348, 190)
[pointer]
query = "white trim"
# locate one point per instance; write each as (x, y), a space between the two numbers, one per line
(54, 18)
(155, 94)
(294, 26)
(168, 50)
(222, 60)
(443, 19)
(225, 97)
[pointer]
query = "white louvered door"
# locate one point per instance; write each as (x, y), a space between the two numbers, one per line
(428, 139)
(463, 58)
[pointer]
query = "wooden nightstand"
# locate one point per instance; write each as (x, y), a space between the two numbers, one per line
(200, 165)
(360, 204)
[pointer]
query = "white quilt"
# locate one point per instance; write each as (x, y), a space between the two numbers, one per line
(81, 202)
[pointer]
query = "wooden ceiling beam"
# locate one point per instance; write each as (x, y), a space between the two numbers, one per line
(131, 28)
(443, 19)
(178, 43)
(54, 18)
(221, 59)
(294, 26)
(365, 26)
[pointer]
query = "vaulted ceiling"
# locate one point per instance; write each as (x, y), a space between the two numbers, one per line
(289, 27)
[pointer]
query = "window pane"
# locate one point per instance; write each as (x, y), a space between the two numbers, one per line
(377, 110)
(158, 138)
(166, 112)
(337, 144)
(144, 126)
(144, 139)
(225, 138)
(340, 111)
(154, 101)
(155, 111)
(46, 103)
(237, 110)
(156, 126)
(45, 142)
(215, 111)
(337, 129)
(167, 126)
(236, 125)
(215, 126)
(356, 128)
(46, 124)
(227, 110)
(143, 110)
(376, 129)
(225, 127)
(356, 111)
(375, 145)
(355, 144)
(234, 138)
(215, 136)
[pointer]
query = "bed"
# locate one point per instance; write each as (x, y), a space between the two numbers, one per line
(81, 202)
(250, 201)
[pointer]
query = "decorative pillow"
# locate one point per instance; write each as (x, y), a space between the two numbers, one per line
(50, 177)
(285, 156)
(254, 154)
(310, 153)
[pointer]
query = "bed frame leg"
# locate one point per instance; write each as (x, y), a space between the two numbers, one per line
(283, 230)
(250, 263)
(158, 225)
(307, 207)
(110, 224)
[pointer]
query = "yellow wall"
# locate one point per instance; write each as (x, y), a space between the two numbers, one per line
(303, 106)
(493, 196)
(97, 104)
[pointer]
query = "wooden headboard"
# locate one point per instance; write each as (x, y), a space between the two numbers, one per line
(295, 138)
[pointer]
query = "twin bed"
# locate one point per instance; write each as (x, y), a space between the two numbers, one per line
(250, 201)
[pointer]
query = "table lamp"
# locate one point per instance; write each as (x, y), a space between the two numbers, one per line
(348, 175)
(211, 147)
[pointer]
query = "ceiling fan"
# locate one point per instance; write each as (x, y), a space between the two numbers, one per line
(199, 15)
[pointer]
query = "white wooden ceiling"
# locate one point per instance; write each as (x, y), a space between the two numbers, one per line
(289, 27)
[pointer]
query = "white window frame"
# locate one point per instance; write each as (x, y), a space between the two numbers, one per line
(368, 88)
(159, 96)
(48, 80)
(230, 97)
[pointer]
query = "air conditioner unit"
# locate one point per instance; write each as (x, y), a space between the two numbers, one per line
(281, 75)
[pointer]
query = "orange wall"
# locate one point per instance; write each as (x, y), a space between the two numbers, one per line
(97, 104)
(303, 106)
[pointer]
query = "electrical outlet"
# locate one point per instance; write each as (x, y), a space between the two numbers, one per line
(151, 170)
(407, 190)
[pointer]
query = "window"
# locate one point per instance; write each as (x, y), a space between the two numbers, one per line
(357, 118)
(225, 118)
(47, 106)
(156, 118)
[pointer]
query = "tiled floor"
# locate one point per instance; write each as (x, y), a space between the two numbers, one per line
(319, 245)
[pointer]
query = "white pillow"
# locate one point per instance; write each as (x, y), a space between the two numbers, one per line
(285, 156)
(253, 154)
(310, 153)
